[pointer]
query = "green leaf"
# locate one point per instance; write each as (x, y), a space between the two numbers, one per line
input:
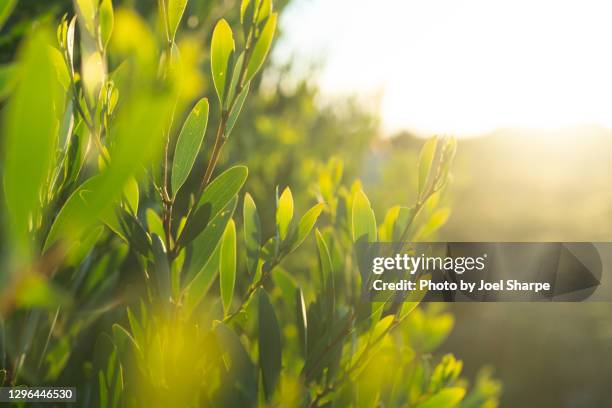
(202, 248)
(306, 224)
(215, 198)
(235, 112)
(162, 270)
(284, 213)
(270, 348)
(154, 223)
(327, 276)
(201, 283)
(107, 20)
(222, 48)
(262, 47)
(175, 11)
(426, 158)
(302, 321)
(7, 79)
(87, 14)
(364, 221)
(188, 144)
(227, 265)
(6, 8)
(241, 379)
(244, 4)
(447, 398)
(30, 137)
(265, 8)
(252, 232)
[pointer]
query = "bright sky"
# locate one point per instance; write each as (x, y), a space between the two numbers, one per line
(463, 66)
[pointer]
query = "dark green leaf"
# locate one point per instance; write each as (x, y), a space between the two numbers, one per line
(215, 197)
(162, 270)
(269, 344)
(202, 248)
(6, 8)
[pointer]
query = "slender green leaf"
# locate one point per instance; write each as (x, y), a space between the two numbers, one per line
(302, 321)
(175, 11)
(235, 112)
(262, 47)
(202, 248)
(227, 265)
(154, 223)
(215, 197)
(306, 224)
(252, 232)
(201, 283)
(222, 48)
(188, 144)
(447, 398)
(284, 213)
(270, 347)
(107, 20)
(162, 270)
(265, 8)
(364, 221)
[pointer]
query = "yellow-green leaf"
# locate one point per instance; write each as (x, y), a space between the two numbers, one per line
(447, 398)
(175, 11)
(262, 47)
(284, 213)
(306, 224)
(364, 221)
(227, 265)
(252, 232)
(222, 48)
(188, 144)
(107, 19)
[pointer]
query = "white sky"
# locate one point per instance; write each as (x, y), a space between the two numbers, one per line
(462, 66)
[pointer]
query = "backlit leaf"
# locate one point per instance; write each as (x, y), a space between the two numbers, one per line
(175, 11)
(262, 47)
(284, 212)
(188, 144)
(364, 221)
(222, 48)
(227, 265)
(252, 232)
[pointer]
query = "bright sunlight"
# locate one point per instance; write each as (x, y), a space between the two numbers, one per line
(464, 66)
